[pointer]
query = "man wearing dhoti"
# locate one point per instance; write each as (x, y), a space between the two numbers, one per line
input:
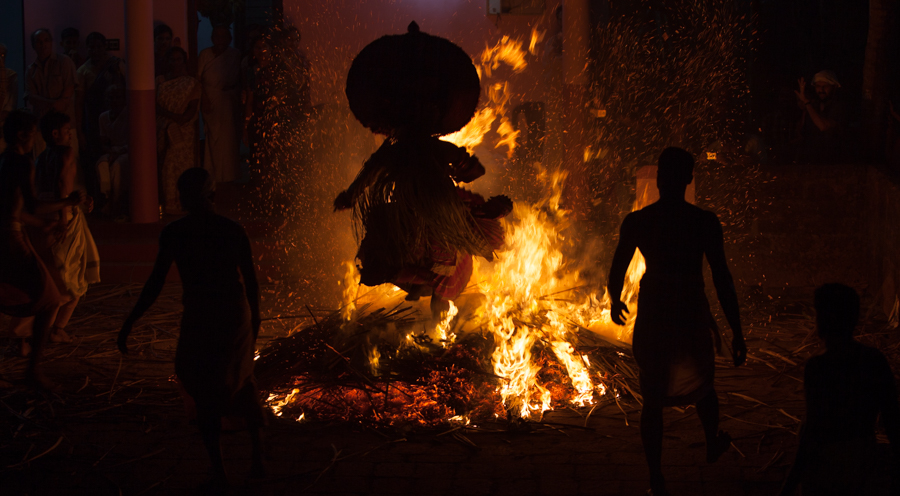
(219, 70)
(220, 323)
(27, 288)
(674, 332)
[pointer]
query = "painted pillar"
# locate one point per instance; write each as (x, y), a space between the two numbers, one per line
(576, 39)
(141, 112)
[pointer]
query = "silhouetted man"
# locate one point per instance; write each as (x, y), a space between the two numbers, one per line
(846, 389)
(674, 331)
(214, 358)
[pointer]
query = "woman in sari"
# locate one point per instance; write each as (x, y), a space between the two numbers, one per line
(177, 104)
(220, 74)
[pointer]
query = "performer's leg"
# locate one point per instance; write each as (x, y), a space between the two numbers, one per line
(209, 421)
(652, 437)
(247, 400)
(439, 306)
(21, 328)
(716, 442)
(58, 330)
(39, 334)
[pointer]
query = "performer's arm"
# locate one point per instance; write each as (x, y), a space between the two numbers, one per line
(152, 288)
(621, 260)
(724, 283)
(251, 285)
(366, 176)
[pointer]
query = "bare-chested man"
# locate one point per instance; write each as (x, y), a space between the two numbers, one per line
(214, 358)
(27, 288)
(674, 332)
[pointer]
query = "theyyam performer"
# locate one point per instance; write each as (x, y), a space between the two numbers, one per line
(418, 229)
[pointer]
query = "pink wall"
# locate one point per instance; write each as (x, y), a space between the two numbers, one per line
(335, 31)
(105, 16)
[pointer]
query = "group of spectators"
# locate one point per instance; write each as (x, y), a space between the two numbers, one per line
(87, 95)
(233, 90)
(73, 138)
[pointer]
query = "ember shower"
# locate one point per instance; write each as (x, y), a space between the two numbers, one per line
(532, 332)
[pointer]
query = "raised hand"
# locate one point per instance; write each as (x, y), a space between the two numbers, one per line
(801, 91)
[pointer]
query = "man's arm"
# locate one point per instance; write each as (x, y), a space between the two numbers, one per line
(152, 288)
(621, 260)
(724, 283)
(251, 285)
(821, 122)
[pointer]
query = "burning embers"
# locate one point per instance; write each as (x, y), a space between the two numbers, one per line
(531, 334)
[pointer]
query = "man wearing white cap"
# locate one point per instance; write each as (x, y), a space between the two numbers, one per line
(823, 120)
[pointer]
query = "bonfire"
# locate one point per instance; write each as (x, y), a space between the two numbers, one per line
(531, 333)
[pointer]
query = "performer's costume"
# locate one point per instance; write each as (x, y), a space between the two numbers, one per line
(418, 228)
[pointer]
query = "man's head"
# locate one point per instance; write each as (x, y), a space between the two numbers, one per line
(162, 38)
(68, 40)
(56, 127)
(825, 84)
(221, 36)
(19, 129)
(196, 189)
(115, 98)
(837, 312)
(42, 42)
(96, 44)
(675, 172)
(176, 61)
(261, 52)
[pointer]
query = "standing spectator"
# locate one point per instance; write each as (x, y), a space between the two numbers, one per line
(92, 79)
(112, 168)
(27, 288)
(847, 389)
(70, 41)
(177, 104)
(72, 258)
(162, 42)
(300, 67)
(50, 83)
(823, 127)
(219, 71)
(9, 90)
